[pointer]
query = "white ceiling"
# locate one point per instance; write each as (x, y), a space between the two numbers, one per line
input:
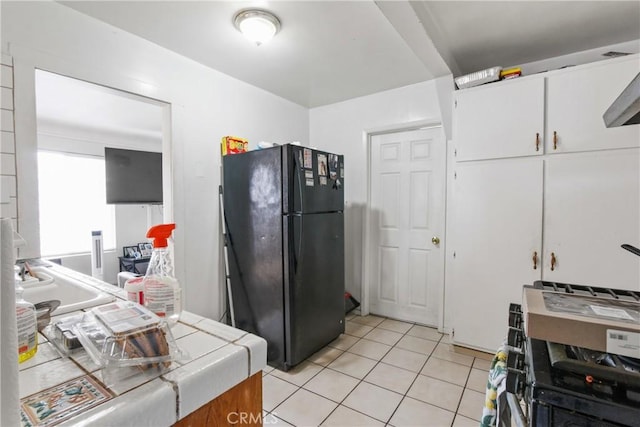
(483, 34)
(330, 51)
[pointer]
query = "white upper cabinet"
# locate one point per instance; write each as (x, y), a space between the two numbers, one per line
(576, 101)
(504, 119)
(591, 207)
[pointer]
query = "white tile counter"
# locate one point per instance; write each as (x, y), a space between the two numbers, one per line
(220, 357)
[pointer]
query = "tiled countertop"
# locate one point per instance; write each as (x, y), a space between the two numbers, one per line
(220, 358)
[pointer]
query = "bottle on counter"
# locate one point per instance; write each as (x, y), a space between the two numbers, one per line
(27, 325)
(162, 293)
(134, 288)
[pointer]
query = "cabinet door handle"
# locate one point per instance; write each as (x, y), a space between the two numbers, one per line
(535, 260)
(555, 140)
(537, 141)
(553, 261)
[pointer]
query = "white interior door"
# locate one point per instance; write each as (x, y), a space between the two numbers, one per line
(406, 262)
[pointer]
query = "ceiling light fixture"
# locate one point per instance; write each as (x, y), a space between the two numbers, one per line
(257, 25)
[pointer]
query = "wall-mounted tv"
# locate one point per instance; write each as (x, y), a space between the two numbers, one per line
(133, 177)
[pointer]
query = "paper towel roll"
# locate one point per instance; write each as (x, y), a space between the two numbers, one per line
(9, 385)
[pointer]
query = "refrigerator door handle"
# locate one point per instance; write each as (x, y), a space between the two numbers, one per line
(298, 174)
(297, 253)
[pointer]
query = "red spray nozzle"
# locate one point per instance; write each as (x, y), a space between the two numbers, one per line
(160, 233)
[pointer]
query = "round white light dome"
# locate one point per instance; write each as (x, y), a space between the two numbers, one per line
(259, 26)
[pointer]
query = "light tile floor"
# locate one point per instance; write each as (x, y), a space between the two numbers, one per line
(380, 372)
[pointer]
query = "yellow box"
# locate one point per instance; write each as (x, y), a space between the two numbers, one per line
(509, 71)
(234, 145)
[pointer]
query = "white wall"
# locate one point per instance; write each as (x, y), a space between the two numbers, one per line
(205, 105)
(8, 183)
(341, 128)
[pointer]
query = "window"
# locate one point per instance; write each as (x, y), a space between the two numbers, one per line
(72, 203)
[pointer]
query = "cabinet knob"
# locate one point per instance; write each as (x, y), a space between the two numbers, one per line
(435, 240)
(535, 260)
(553, 261)
(555, 140)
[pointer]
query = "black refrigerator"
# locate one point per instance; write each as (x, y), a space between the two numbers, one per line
(285, 225)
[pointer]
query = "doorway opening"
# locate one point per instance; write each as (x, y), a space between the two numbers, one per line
(76, 121)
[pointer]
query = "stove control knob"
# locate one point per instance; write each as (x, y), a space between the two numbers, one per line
(515, 381)
(515, 316)
(515, 361)
(515, 338)
(515, 319)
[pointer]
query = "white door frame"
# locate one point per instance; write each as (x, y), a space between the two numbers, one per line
(367, 134)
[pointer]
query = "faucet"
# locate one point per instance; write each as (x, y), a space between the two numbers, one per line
(22, 269)
(18, 270)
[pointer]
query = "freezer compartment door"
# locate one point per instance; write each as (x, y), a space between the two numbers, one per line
(313, 180)
(314, 287)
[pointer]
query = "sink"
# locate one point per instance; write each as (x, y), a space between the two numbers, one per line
(72, 293)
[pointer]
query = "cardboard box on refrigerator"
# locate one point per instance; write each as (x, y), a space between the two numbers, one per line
(233, 145)
(601, 324)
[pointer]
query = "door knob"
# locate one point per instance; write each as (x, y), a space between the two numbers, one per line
(435, 240)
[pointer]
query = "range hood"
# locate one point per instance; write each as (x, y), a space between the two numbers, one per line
(625, 110)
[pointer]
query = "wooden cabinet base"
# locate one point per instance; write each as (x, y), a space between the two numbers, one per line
(241, 406)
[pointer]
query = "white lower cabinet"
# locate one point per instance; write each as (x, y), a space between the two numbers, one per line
(505, 214)
(591, 207)
(497, 230)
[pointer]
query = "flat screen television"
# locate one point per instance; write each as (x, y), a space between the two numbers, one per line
(133, 177)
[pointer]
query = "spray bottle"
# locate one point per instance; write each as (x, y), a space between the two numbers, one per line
(27, 324)
(162, 293)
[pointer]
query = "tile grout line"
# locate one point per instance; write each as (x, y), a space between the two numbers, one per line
(299, 387)
(377, 362)
(431, 354)
(417, 374)
(463, 390)
(406, 394)
(361, 380)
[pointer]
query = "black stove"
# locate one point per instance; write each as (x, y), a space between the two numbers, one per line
(570, 393)
(563, 385)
